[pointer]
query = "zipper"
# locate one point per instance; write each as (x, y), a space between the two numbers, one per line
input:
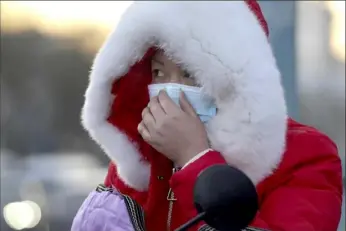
(170, 199)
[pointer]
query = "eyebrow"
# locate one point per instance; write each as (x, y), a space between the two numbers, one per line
(159, 62)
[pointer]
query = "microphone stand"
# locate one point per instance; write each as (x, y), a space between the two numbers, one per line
(192, 222)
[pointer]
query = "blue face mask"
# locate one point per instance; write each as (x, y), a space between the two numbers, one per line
(203, 105)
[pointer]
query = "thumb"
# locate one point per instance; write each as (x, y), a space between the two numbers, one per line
(186, 106)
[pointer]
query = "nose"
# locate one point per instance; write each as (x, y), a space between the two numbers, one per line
(175, 77)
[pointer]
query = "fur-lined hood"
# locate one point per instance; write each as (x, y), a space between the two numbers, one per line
(224, 45)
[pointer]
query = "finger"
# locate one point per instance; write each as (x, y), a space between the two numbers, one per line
(186, 106)
(156, 109)
(143, 131)
(145, 111)
(168, 105)
(148, 120)
(141, 126)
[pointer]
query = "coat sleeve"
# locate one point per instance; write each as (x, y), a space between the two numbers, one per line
(105, 210)
(309, 199)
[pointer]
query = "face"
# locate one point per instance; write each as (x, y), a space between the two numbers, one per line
(165, 71)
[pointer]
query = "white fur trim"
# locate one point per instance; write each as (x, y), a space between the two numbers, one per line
(224, 46)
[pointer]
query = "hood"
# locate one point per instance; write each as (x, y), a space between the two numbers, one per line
(224, 45)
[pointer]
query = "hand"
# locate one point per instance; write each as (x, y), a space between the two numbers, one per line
(174, 131)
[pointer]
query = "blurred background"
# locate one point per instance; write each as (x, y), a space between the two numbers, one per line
(48, 162)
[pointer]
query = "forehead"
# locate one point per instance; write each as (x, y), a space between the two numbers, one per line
(160, 56)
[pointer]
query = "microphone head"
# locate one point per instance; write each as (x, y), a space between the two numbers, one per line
(228, 197)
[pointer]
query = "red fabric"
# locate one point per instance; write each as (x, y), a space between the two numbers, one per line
(304, 193)
(127, 106)
(256, 9)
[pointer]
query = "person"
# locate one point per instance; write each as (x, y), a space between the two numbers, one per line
(182, 86)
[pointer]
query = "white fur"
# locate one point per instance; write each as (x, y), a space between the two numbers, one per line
(223, 45)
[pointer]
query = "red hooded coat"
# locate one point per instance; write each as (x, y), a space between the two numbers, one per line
(296, 169)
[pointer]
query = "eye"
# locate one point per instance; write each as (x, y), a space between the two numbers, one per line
(158, 73)
(187, 74)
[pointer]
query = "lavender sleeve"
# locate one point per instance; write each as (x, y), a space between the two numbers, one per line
(106, 210)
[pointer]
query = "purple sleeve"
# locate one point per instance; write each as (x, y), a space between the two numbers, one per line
(103, 211)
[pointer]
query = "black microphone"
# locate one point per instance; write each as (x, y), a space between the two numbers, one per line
(225, 198)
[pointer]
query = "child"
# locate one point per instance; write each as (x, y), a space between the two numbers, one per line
(181, 86)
